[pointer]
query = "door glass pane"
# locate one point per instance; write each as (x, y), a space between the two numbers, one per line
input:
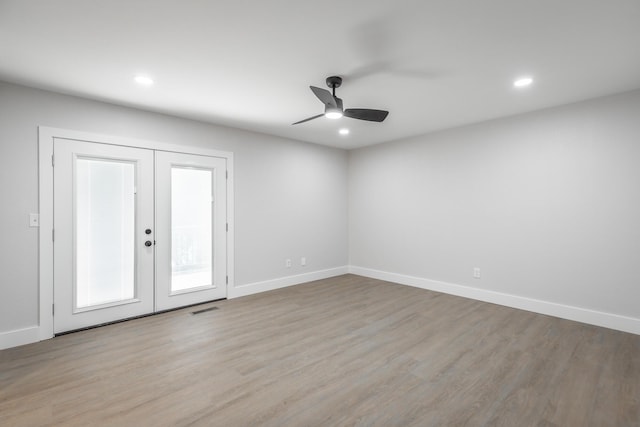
(191, 228)
(104, 243)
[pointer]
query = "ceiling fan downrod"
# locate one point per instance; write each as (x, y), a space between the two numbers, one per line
(333, 82)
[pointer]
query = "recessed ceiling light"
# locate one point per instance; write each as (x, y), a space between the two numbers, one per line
(344, 131)
(523, 82)
(144, 80)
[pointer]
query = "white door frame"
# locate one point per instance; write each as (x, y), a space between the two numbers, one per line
(46, 136)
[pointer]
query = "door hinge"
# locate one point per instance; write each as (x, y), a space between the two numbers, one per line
(53, 235)
(52, 161)
(227, 226)
(227, 278)
(226, 174)
(53, 309)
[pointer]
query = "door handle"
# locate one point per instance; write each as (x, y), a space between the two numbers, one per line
(148, 243)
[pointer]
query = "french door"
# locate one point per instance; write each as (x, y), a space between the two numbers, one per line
(190, 213)
(136, 231)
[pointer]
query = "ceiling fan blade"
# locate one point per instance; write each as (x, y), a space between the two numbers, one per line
(324, 96)
(306, 120)
(366, 114)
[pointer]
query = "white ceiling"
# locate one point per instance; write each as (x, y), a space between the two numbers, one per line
(249, 63)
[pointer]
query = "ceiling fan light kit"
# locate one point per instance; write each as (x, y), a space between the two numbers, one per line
(333, 107)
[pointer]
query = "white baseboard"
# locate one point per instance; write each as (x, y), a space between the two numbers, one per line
(19, 337)
(281, 282)
(592, 317)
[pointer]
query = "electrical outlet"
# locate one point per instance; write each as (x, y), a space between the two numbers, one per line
(287, 262)
(476, 272)
(34, 220)
(303, 261)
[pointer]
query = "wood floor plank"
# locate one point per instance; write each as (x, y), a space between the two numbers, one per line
(345, 351)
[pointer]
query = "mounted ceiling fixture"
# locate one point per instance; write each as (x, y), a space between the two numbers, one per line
(333, 105)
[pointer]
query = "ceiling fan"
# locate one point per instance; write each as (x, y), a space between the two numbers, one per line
(333, 105)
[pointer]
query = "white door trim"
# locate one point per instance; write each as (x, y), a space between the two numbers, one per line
(46, 136)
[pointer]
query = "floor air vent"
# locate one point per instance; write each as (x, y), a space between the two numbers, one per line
(204, 310)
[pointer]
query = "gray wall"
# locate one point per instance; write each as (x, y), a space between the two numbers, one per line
(547, 204)
(290, 197)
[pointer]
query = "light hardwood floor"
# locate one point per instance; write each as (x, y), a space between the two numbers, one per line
(338, 352)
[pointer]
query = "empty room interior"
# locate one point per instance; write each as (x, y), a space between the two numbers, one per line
(361, 213)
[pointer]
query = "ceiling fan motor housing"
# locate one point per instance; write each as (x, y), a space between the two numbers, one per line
(337, 109)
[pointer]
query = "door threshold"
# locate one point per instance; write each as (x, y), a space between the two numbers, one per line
(136, 317)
